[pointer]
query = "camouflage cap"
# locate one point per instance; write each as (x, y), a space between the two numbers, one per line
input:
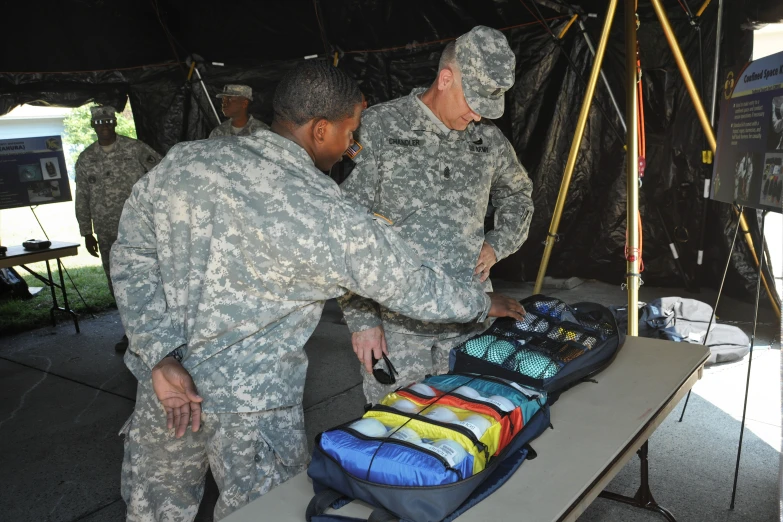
(237, 90)
(105, 111)
(487, 66)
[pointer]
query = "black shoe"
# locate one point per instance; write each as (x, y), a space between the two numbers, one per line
(122, 345)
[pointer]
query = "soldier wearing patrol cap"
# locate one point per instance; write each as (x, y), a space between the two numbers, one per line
(427, 165)
(105, 174)
(235, 101)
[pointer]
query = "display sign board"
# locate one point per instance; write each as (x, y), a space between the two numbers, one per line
(748, 166)
(32, 172)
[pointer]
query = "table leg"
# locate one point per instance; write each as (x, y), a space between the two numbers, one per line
(643, 498)
(65, 297)
(55, 306)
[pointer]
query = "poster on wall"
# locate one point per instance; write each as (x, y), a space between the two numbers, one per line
(32, 172)
(748, 167)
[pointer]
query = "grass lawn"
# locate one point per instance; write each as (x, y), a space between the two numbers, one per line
(17, 315)
(59, 221)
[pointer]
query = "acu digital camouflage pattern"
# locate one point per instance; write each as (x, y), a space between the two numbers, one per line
(248, 453)
(224, 129)
(486, 64)
(433, 188)
(230, 247)
(104, 181)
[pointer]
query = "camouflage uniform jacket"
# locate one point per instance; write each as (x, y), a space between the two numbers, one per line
(104, 181)
(228, 250)
(433, 188)
(224, 129)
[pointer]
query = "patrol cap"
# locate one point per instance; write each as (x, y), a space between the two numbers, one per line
(487, 66)
(105, 111)
(236, 90)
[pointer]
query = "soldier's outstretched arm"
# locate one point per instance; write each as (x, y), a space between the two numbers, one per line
(153, 331)
(511, 196)
(372, 260)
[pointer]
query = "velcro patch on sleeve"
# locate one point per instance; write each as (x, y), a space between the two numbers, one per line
(353, 150)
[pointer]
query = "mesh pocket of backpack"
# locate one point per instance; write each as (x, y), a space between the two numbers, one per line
(563, 334)
(604, 328)
(511, 356)
(532, 323)
(477, 347)
(552, 307)
(533, 364)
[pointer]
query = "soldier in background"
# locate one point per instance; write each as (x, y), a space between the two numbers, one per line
(429, 163)
(105, 174)
(226, 254)
(235, 101)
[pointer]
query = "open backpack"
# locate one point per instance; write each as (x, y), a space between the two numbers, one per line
(429, 451)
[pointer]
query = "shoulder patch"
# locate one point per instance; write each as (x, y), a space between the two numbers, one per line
(353, 150)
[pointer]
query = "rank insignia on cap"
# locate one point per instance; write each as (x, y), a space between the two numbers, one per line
(353, 150)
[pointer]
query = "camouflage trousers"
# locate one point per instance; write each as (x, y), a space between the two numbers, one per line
(249, 453)
(413, 356)
(104, 247)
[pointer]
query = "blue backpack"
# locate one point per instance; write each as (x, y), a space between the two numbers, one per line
(419, 465)
(416, 481)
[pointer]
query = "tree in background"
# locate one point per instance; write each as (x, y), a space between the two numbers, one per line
(79, 134)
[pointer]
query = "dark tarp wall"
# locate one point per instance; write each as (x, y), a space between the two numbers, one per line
(136, 50)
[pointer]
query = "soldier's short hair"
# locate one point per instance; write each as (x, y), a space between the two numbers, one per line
(449, 57)
(315, 89)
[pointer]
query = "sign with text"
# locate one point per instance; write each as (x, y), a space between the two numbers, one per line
(32, 172)
(748, 166)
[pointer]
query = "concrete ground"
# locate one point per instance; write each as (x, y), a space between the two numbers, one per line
(65, 396)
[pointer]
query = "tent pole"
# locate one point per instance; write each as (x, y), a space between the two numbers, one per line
(686, 74)
(707, 176)
(575, 144)
(717, 63)
(603, 76)
(206, 95)
(705, 123)
(632, 168)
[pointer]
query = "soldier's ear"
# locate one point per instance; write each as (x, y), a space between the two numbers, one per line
(320, 127)
(445, 79)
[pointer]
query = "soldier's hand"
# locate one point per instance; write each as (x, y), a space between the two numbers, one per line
(91, 244)
(503, 306)
(486, 260)
(177, 392)
(368, 344)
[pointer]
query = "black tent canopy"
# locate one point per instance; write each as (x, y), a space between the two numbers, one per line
(71, 52)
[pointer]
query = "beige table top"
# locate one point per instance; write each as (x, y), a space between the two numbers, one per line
(597, 429)
(17, 255)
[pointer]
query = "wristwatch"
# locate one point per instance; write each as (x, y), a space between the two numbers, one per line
(177, 353)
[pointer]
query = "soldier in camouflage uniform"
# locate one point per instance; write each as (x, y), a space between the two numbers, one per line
(235, 101)
(225, 256)
(429, 164)
(105, 174)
